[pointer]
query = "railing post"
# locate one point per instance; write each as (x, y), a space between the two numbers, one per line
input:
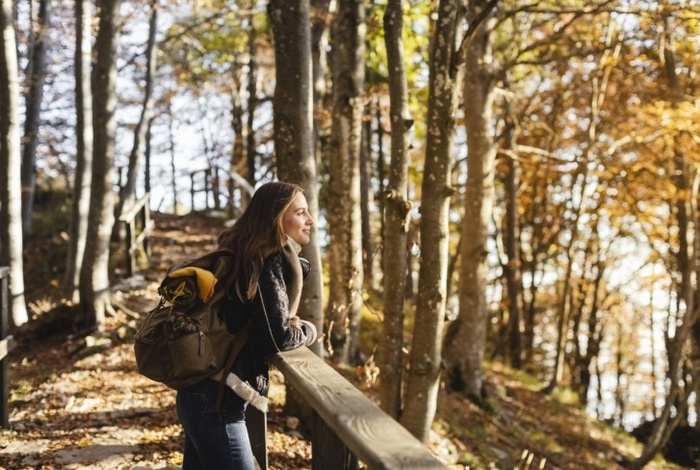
(256, 422)
(130, 260)
(139, 213)
(328, 450)
(207, 187)
(192, 191)
(5, 345)
(146, 220)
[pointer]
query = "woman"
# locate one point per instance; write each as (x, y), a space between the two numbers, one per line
(265, 286)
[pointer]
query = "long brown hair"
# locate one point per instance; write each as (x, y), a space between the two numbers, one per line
(257, 234)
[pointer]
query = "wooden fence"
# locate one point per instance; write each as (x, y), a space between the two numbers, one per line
(208, 183)
(5, 345)
(348, 428)
(139, 217)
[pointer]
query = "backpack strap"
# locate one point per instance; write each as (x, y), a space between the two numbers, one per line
(241, 338)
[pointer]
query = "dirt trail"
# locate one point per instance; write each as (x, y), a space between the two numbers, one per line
(78, 402)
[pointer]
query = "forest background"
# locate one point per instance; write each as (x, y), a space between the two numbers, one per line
(518, 182)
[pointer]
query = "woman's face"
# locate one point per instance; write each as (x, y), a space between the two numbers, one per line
(297, 221)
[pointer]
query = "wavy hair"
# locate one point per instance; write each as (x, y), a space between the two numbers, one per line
(257, 234)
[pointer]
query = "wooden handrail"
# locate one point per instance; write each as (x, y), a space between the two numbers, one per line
(355, 425)
(133, 212)
(140, 210)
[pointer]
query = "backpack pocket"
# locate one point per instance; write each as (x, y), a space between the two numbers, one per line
(171, 348)
(191, 354)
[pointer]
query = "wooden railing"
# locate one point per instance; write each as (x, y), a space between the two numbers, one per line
(138, 217)
(210, 184)
(5, 345)
(347, 428)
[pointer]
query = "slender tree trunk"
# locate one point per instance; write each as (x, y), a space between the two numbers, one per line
(94, 280)
(425, 356)
(532, 265)
(512, 268)
(381, 164)
(173, 169)
(36, 79)
(294, 149)
(251, 152)
(593, 339)
(10, 189)
(345, 249)
(238, 151)
(367, 205)
(320, 20)
(466, 337)
(397, 215)
(80, 206)
(293, 125)
(127, 196)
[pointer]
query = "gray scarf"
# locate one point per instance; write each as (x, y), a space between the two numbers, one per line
(293, 276)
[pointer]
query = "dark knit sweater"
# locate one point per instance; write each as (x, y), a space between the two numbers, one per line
(271, 310)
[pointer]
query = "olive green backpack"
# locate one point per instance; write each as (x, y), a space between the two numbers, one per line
(185, 340)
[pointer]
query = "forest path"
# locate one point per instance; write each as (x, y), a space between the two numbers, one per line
(78, 402)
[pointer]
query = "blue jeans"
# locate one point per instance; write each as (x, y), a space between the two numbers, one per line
(210, 442)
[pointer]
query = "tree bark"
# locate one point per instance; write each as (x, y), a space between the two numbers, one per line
(293, 138)
(425, 356)
(95, 296)
(512, 268)
(344, 221)
(251, 152)
(320, 21)
(36, 77)
(80, 205)
(397, 215)
(367, 206)
(292, 103)
(11, 246)
(238, 150)
(466, 337)
(127, 194)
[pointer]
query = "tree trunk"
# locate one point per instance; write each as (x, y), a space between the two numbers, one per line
(294, 150)
(320, 20)
(94, 280)
(367, 206)
(425, 356)
(293, 138)
(397, 216)
(466, 337)
(127, 195)
(10, 189)
(512, 268)
(345, 249)
(251, 153)
(594, 336)
(171, 149)
(80, 205)
(36, 78)
(238, 151)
